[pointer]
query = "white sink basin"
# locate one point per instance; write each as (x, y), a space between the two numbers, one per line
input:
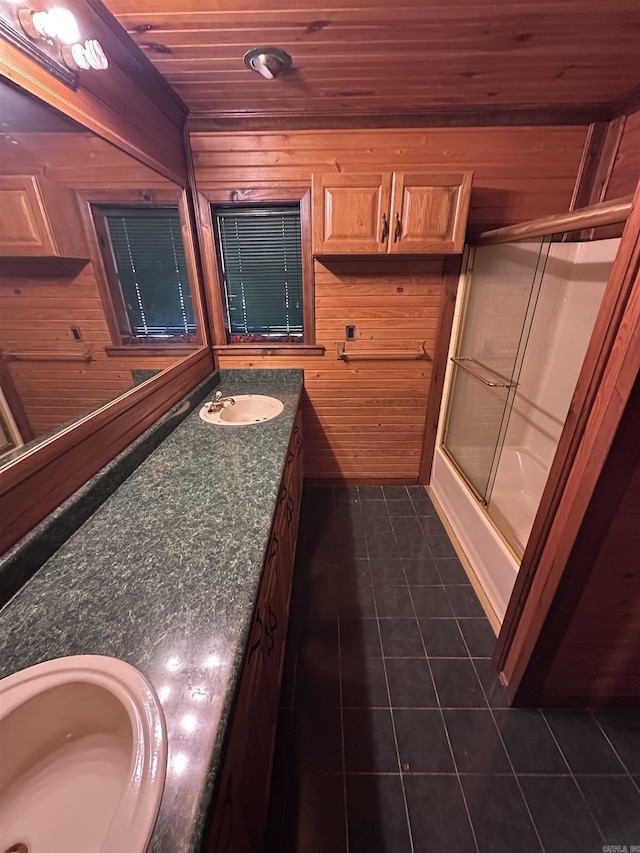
(84, 754)
(248, 409)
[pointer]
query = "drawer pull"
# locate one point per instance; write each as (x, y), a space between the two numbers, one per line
(398, 229)
(385, 228)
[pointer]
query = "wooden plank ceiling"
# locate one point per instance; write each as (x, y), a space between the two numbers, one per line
(359, 57)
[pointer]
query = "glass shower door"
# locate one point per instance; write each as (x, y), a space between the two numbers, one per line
(499, 308)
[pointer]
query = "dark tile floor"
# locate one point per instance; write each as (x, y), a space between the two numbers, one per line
(394, 734)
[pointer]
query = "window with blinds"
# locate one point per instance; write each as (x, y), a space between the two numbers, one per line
(150, 263)
(261, 263)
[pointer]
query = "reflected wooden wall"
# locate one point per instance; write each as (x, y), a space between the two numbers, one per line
(37, 312)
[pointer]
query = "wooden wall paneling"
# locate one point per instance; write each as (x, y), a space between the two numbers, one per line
(451, 278)
(609, 374)
(519, 173)
(38, 311)
(366, 421)
(56, 468)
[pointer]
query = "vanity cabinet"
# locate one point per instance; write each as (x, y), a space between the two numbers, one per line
(39, 218)
(240, 809)
(390, 213)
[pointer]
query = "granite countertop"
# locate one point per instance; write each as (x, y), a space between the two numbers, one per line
(165, 575)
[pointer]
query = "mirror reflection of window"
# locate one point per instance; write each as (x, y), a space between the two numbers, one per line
(65, 333)
(151, 280)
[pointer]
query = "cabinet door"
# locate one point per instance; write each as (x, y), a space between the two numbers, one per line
(351, 213)
(229, 832)
(429, 212)
(24, 226)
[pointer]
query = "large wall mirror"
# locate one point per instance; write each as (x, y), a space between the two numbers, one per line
(97, 278)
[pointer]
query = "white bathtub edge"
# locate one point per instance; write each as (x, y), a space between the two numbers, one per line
(491, 560)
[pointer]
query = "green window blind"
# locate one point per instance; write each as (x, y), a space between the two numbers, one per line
(261, 260)
(149, 255)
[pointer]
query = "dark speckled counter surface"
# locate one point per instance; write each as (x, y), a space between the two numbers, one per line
(165, 575)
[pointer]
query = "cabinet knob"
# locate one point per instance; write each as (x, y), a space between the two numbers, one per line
(385, 228)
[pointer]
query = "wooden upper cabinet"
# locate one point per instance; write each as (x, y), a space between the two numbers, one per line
(390, 212)
(39, 219)
(429, 212)
(351, 213)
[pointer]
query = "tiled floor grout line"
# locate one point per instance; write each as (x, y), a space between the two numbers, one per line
(344, 764)
(435, 690)
(573, 775)
(615, 751)
(386, 680)
(504, 746)
(344, 767)
(446, 730)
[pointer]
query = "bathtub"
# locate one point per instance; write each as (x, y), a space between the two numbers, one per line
(492, 561)
(517, 490)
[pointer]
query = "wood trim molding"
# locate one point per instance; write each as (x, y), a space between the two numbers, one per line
(308, 288)
(152, 351)
(483, 115)
(607, 213)
(14, 402)
(452, 267)
(84, 107)
(598, 160)
(140, 68)
(628, 103)
(589, 164)
(194, 238)
(55, 468)
(578, 454)
(607, 160)
(212, 283)
(107, 276)
(265, 349)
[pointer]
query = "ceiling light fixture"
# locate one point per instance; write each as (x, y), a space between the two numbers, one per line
(270, 62)
(85, 56)
(55, 25)
(59, 25)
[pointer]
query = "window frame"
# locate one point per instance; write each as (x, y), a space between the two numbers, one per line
(107, 276)
(211, 264)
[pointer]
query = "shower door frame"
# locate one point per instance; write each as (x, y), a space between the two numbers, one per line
(510, 381)
(522, 637)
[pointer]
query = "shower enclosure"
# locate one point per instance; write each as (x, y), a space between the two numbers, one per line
(523, 327)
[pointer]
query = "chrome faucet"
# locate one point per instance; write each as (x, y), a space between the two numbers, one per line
(218, 402)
